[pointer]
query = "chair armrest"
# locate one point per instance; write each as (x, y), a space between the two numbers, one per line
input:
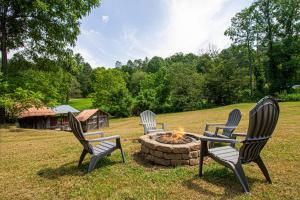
(215, 139)
(239, 134)
(94, 133)
(215, 124)
(207, 125)
(142, 124)
(105, 138)
(224, 127)
(163, 125)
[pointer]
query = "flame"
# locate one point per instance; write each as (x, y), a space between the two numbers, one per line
(173, 137)
(178, 134)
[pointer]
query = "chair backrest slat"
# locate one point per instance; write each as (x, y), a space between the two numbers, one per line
(77, 131)
(262, 122)
(148, 118)
(234, 119)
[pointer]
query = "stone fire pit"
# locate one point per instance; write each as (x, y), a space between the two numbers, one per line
(170, 154)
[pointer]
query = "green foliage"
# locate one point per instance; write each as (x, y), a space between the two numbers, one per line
(270, 30)
(186, 87)
(155, 64)
(227, 81)
(18, 100)
(42, 28)
(111, 93)
(284, 96)
(263, 59)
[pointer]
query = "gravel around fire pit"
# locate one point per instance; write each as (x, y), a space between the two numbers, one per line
(170, 154)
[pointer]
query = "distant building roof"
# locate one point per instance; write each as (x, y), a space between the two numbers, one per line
(63, 109)
(85, 114)
(36, 112)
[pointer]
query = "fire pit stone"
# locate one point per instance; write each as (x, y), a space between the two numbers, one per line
(170, 154)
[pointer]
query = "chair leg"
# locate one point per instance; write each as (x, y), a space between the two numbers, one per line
(122, 154)
(83, 154)
(93, 163)
(263, 168)
(121, 149)
(203, 152)
(239, 172)
(201, 164)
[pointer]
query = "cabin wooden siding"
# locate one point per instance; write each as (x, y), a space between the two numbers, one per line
(36, 122)
(98, 120)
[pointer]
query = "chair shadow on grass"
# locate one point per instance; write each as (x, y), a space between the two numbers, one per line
(221, 178)
(72, 169)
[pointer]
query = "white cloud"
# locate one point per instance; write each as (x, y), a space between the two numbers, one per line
(184, 26)
(189, 27)
(105, 19)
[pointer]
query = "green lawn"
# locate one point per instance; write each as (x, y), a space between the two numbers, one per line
(81, 103)
(42, 164)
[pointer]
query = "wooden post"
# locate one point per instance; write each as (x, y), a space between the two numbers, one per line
(61, 122)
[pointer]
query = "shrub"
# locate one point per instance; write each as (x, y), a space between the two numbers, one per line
(284, 96)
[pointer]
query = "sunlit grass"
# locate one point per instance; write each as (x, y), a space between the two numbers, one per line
(42, 164)
(81, 103)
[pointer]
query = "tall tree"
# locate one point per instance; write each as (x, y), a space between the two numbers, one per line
(40, 27)
(242, 33)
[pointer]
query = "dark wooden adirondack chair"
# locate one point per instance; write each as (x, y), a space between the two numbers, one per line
(262, 122)
(102, 149)
(148, 121)
(233, 121)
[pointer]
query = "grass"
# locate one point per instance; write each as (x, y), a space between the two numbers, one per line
(81, 103)
(42, 164)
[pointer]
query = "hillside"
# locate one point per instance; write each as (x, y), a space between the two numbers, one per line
(42, 164)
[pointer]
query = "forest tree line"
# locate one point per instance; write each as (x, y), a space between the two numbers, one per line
(264, 58)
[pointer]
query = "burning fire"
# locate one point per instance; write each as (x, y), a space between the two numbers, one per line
(178, 134)
(174, 137)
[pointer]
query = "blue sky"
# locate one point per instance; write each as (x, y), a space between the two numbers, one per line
(119, 30)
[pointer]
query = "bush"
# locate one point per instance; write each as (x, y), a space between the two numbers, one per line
(284, 96)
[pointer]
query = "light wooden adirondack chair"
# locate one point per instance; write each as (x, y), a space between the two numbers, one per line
(262, 122)
(102, 149)
(233, 121)
(148, 121)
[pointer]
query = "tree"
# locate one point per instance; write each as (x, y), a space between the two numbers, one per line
(135, 82)
(273, 28)
(186, 87)
(110, 92)
(242, 32)
(40, 27)
(155, 64)
(16, 101)
(83, 75)
(227, 81)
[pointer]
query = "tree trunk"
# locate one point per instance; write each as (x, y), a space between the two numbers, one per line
(4, 67)
(271, 64)
(250, 66)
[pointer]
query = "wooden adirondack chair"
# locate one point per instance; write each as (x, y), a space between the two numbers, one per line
(233, 121)
(148, 121)
(102, 149)
(262, 122)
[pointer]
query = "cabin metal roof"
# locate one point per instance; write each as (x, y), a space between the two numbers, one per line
(64, 109)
